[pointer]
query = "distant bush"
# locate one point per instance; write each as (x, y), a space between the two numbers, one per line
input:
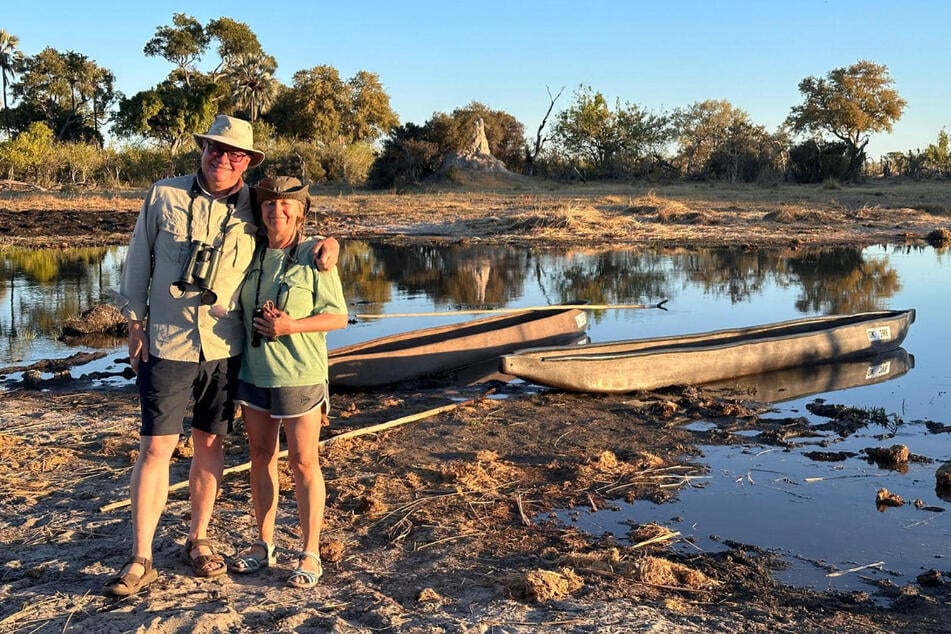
(814, 162)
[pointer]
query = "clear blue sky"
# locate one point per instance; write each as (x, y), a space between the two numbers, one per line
(437, 56)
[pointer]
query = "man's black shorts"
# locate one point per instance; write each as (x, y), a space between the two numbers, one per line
(166, 387)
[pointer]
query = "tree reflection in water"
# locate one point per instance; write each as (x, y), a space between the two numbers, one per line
(44, 287)
(838, 280)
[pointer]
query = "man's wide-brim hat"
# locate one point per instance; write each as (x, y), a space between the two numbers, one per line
(281, 188)
(236, 133)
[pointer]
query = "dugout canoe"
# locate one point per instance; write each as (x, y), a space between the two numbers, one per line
(646, 364)
(806, 380)
(429, 352)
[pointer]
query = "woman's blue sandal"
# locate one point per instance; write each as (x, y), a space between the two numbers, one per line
(305, 578)
(253, 562)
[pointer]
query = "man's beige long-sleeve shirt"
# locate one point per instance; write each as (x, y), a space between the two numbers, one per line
(175, 212)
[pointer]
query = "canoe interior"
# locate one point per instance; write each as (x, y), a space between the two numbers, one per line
(440, 334)
(434, 351)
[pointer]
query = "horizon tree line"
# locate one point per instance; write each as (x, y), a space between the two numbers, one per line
(329, 129)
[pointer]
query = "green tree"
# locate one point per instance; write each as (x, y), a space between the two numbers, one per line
(642, 136)
(67, 91)
(701, 129)
(186, 41)
(938, 155)
(182, 44)
(188, 99)
(320, 107)
(747, 153)
(253, 86)
(585, 129)
(168, 113)
(10, 60)
(717, 140)
(609, 143)
(28, 155)
(849, 103)
(313, 107)
(409, 155)
(235, 40)
(79, 162)
(369, 115)
(815, 160)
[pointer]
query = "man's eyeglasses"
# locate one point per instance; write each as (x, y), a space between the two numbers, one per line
(222, 150)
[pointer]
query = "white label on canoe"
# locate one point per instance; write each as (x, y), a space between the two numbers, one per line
(581, 319)
(878, 371)
(882, 333)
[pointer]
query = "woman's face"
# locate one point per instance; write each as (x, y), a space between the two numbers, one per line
(282, 216)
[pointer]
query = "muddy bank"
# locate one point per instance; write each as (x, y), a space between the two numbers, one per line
(616, 215)
(446, 523)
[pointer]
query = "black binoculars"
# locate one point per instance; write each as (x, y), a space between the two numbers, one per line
(199, 272)
(256, 335)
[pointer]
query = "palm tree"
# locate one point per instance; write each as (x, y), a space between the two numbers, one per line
(9, 58)
(253, 85)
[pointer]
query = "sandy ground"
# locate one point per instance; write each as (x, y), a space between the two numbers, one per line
(444, 524)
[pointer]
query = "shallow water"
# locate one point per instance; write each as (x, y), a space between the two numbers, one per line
(822, 514)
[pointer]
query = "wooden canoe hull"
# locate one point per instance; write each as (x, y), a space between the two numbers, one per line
(434, 351)
(645, 364)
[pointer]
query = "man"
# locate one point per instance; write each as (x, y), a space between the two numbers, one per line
(189, 253)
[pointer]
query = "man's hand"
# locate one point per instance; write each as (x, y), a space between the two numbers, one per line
(138, 344)
(326, 254)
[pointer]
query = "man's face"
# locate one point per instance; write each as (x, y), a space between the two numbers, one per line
(222, 166)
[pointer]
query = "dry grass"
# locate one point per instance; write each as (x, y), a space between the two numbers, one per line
(20, 201)
(796, 216)
(507, 208)
(927, 196)
(687, 214)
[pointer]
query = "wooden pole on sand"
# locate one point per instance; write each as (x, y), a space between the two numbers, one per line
(349, 434)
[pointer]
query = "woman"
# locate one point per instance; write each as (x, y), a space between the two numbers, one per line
(288, 307)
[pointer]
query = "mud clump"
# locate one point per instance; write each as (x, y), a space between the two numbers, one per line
(663, 572)
(540, 586)
(894, 457)
(885, 498)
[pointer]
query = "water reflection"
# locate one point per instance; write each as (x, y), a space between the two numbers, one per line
(802, 381)
(41, 288)
(837, 280)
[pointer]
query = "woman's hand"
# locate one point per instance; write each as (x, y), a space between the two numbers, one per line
(274, 322)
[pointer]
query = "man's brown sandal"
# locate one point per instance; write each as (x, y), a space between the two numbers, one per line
(130, 583)
(212, 565)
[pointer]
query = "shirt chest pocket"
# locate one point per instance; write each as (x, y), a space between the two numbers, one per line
(172, 242)
(296, 295)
